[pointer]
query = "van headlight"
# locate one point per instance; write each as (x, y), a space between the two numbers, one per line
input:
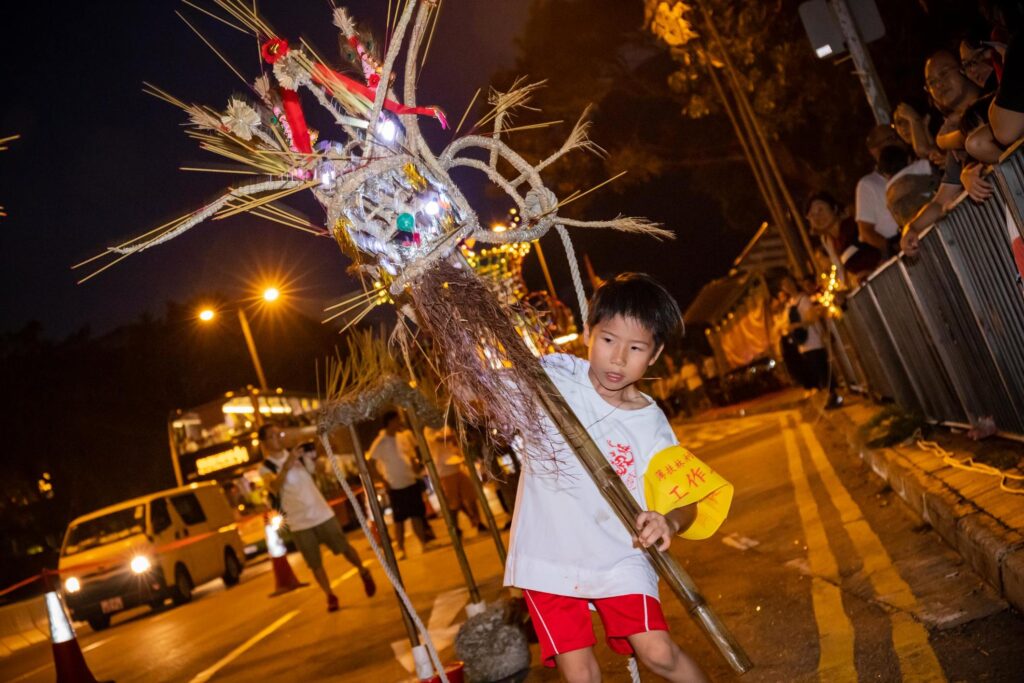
(140, 564)
(72, 585)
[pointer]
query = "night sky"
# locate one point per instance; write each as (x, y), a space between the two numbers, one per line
(98, 159)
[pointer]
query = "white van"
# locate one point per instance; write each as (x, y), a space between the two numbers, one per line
(148, 549)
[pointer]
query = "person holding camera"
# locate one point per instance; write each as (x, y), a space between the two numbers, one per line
(312, 522)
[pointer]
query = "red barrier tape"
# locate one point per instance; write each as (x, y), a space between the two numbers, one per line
(173, 545)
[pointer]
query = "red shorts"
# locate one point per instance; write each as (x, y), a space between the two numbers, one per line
(563, 623)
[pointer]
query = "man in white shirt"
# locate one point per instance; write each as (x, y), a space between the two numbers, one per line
(309, 518)
(875, 224)
(394, 453)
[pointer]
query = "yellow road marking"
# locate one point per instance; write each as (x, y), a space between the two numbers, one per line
(240, 650)
(910, 638)
(349, 574)
(835, 632)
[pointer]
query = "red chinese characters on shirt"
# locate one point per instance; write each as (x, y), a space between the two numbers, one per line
(621, 459)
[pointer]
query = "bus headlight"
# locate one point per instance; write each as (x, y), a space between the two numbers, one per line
(140, 564)
(72, 585)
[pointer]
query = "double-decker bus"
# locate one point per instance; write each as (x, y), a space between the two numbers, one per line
(217, 440)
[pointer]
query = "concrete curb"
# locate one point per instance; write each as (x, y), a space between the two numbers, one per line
(23, 624)
(993, 549)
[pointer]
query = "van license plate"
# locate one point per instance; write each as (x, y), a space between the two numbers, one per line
(112, 604)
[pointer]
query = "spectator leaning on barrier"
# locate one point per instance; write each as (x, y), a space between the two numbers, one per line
(310, 519)
(979, 59)
(1006, 103)
(852, 257)
(952, 93)
(875, 224)
(1006, 113)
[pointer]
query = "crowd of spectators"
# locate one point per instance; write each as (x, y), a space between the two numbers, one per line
(925, 160)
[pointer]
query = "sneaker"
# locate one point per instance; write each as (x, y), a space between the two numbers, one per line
(332, 603)
(368, 585)
(482, 528)
(834, 401)
(400, 555)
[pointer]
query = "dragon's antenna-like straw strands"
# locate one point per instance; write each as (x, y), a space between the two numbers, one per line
(577, 195)
(218, 18)
(251, 204)
(232, 171)
(365, 294)
(430, 38)
(215, 50)
(469, 108)
(247, 16)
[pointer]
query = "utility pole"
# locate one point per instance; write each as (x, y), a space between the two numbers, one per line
(759, 142)
(252, 349)
(862, 61)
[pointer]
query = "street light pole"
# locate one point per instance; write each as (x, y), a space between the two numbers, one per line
(862, 60)
(249, 342)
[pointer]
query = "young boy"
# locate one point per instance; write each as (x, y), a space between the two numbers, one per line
(568, 549)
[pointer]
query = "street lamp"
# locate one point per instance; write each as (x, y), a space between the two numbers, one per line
(270, 295)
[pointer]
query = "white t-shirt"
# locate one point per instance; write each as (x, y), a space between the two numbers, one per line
(303, 505)
(566, 539)
(813, 341)
(871, 206)
(393, 455)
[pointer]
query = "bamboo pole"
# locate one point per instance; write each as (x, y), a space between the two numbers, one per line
(625, 506)
(382, 529)
(446, 514)
(469, 451)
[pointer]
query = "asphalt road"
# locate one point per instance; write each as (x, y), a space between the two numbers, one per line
(821, 573)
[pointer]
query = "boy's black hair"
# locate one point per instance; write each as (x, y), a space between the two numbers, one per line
(389, 416)
(640, 297)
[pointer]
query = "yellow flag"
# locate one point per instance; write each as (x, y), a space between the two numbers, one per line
(675, 477)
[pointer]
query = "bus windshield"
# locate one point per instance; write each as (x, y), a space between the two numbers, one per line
(106, 529)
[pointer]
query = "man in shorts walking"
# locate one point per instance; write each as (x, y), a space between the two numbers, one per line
(307, 514)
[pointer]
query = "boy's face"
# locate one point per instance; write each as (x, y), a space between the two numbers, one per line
(620, 350)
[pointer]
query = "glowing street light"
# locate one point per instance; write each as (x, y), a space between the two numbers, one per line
(270, 295)
(498, 227)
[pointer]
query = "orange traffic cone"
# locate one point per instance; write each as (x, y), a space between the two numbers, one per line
(67, 655)
(284, 578)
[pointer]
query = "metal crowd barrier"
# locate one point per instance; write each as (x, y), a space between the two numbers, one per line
(942, 332)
